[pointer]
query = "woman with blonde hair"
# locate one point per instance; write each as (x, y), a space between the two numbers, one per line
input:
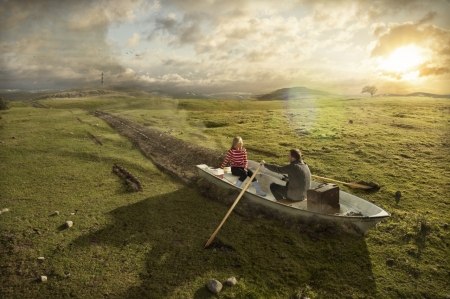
(237, 157)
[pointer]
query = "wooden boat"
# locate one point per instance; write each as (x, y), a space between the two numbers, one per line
(353, 209)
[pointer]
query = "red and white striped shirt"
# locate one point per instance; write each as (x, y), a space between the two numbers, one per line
(237, 158)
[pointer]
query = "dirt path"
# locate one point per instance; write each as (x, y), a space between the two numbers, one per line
(172, 155)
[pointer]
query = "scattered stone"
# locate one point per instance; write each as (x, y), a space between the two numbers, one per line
(67, 275)
(41, 258)
(231, 281)
(44, 278)
(5, 210)
(72, 213)
(214, 286)
(71, 133)
(282, 256)
(350, 121)
(13, 137)
(447, 297)
(390, 261)
(56, 213)
(69, 224)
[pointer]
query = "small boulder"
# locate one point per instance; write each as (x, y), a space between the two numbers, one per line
(214, 286)
(231, 281)
(56, 213)
(282, 256)
(69, 224)
(5, 210)
(44, 278)
(41, 258)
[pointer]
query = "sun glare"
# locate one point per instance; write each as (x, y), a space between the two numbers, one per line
(403, 60)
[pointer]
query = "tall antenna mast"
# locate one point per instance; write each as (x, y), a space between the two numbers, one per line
(102, 78)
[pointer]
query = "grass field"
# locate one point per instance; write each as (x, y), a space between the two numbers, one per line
(149, 244)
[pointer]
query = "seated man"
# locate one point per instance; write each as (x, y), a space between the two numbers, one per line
(299, 178)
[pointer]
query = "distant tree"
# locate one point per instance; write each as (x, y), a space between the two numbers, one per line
(3, 104)
(370, 89)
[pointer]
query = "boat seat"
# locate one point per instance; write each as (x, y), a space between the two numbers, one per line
(231, 178)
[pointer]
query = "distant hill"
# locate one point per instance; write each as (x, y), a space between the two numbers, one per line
(414, 94)
(106, 91)
(215, 96)
(294, 93)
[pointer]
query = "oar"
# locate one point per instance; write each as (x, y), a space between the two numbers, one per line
(232, 207)
(351, 185)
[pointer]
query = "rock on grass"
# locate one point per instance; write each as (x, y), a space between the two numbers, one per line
(44, 278)
(69, 224)
(214, 286)
(231, 281)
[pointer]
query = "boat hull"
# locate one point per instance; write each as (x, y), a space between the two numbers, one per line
(372, 213)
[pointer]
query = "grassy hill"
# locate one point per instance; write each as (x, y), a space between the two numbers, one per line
(149, 244)
(294, 93)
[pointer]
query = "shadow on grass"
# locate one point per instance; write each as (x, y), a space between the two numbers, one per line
(173, 228)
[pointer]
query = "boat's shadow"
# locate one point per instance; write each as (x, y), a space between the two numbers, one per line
(173, 228)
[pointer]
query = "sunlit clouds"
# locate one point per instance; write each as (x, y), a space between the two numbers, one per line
(216, 46)
(403, 62)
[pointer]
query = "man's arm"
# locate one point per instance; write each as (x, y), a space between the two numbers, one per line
(277, 169)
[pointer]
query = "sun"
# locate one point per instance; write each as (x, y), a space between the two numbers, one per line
(403, 62)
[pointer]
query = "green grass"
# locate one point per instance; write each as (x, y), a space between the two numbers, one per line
(149, 244)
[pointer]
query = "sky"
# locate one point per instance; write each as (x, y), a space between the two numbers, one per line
(208, 46)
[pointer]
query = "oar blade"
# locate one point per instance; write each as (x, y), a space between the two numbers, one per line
(358, 186)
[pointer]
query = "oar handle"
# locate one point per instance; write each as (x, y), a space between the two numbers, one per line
(327, 179)
(351, 185)
(232, 207)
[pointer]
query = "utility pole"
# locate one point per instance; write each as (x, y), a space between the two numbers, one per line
(102, 78)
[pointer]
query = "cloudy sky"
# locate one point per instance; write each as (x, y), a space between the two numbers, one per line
(339, 46)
